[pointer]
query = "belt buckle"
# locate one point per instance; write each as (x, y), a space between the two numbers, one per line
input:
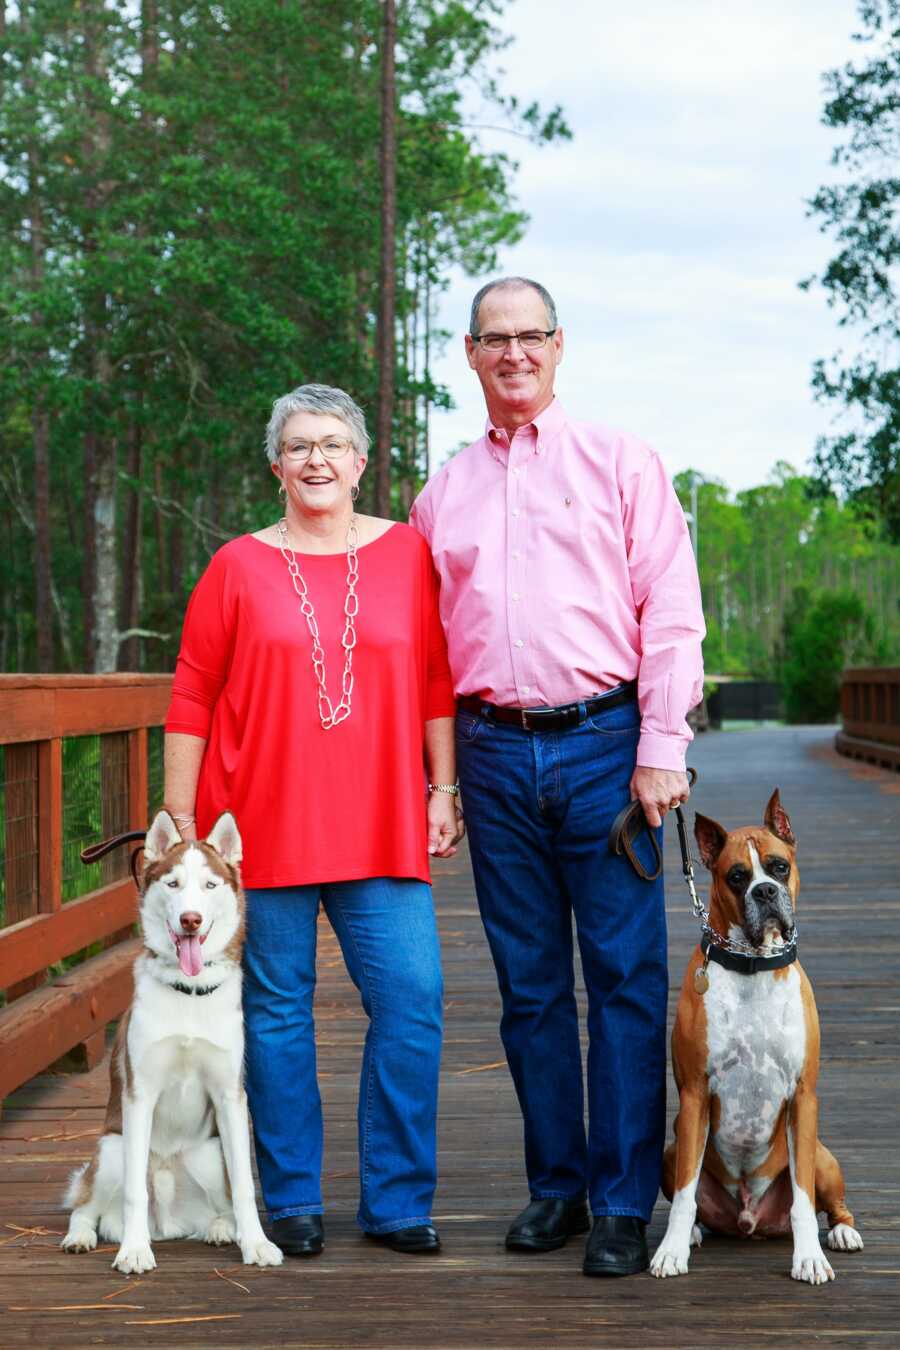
(525, 726)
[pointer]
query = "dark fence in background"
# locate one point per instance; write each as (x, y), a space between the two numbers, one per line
(870, 715)
(80, 757)
(744, 701)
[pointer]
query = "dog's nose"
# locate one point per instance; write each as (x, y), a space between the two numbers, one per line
(765, 892)
(190, 921)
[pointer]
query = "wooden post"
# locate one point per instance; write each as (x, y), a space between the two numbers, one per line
(50, 825)
(137, 779)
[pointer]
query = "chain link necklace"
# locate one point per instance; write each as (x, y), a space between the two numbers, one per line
(329, 716)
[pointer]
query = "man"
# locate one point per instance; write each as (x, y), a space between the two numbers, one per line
(568, 588)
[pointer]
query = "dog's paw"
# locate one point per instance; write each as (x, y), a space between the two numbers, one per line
(669, 1260)
(261, 1252)
(696, 1236)
(812, 1269)
(81, 1239)
(843, 1238)
(221, 1231)
(135, 1260)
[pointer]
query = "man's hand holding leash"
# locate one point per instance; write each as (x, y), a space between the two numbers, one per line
(659, 791)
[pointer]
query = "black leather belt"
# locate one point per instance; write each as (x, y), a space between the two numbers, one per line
(550, 719)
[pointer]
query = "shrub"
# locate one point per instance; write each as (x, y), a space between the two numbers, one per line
(832, 630)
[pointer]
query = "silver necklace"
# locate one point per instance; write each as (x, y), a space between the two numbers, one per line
(329, 716)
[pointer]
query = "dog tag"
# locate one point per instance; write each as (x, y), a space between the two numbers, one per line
(701, 979)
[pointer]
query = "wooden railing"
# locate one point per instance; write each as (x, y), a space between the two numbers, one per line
(46, 1015)
(870, 715)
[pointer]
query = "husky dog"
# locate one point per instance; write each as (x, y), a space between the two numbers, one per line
(174, 1157)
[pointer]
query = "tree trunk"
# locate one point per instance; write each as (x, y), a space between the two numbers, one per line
(40, 426)
(89, 548)
(129, 657)
(40, 423)
(387, 307)
(106, 635)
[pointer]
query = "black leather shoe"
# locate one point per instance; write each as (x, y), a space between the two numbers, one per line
(416, 1241)
(617, 1246)
(299, 1234)
(545, 1225)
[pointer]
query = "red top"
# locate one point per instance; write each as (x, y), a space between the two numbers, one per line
(315, 805)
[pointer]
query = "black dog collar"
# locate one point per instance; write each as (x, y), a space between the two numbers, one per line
(746, 965)
(195, 989)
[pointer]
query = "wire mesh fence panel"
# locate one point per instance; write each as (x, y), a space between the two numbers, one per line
(19, 835)
(155, 737)
(82, 813)
(115, 815)
(95, 806)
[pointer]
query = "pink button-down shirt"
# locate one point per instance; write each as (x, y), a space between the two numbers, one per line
(566, 568)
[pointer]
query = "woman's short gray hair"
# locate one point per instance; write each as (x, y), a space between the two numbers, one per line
(316, 398)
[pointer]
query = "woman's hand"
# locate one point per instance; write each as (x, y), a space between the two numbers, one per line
(445, 824)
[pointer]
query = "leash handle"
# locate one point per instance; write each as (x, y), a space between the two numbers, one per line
(629, 823)
(94, 852)
(626, 827)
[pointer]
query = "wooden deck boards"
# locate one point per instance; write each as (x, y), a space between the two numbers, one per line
(846, 817)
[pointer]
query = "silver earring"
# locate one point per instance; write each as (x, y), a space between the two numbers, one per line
(354, 492)
(282, 491)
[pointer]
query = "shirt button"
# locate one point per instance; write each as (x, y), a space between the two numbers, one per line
(515, 473)
(518, 643)
(516, 511)
(515, 595)
(526, 688)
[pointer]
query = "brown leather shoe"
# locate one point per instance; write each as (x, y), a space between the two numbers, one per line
(545, 1225)
(617, 1246)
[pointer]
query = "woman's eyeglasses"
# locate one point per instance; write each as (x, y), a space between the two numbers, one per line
(333, 447)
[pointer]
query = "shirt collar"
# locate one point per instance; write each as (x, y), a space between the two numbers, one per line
(544, 429)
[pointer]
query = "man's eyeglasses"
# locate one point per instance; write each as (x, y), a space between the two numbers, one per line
(495, 342)
(333, 447)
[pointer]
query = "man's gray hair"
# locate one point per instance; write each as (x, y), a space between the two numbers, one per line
(316, 398)
(504, 283)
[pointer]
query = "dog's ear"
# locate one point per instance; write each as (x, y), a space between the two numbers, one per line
(162, 835)
(776, 819)
(710, 839)
(225, 839)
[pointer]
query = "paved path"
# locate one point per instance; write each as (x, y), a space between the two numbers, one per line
(846, 816)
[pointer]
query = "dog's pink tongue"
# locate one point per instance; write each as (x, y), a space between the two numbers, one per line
(190, 955)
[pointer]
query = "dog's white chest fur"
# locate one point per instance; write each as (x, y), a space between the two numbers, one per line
(757, 1047)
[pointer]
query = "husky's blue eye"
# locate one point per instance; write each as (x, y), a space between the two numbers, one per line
(210, 885)
(173, 885)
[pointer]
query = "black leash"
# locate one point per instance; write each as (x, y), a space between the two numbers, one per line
(628, 825)
(94, 852)
(631, 823)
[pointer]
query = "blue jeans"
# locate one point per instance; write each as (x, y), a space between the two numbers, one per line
(388, 936)
(539, 806)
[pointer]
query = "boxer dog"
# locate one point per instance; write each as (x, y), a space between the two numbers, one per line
(747, 1160)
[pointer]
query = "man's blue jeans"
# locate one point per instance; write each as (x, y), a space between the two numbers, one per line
(539, 806)
(387, 931)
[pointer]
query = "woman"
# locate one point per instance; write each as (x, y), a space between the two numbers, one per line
(312, 676)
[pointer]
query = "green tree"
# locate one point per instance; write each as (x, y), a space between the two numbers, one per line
(860, 281)
(824, 634)
(764, 551)
(189, 225)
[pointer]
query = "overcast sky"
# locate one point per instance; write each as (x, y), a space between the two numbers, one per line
(672, 229)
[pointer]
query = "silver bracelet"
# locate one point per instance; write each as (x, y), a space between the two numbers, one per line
(182, 818)
(451, 788)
